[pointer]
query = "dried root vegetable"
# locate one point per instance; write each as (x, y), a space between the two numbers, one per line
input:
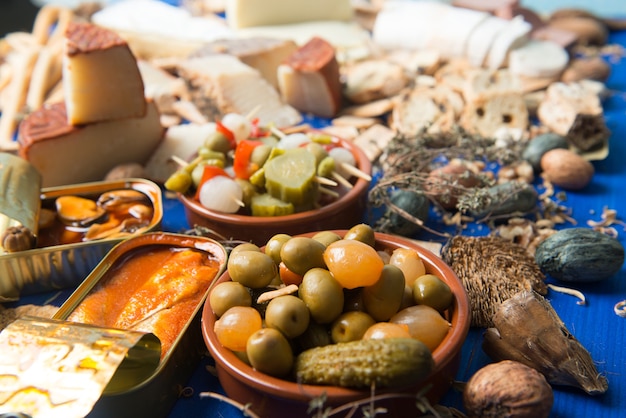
(492, 270)
(528, 330)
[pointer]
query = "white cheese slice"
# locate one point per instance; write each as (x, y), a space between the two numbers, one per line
(155, 29)
(538, 59)
(238, 88)
(480, 40)
(512, 36)
(351, 41)
(249, 13)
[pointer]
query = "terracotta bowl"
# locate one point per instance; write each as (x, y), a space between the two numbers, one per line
(274, 397)
(341, 213)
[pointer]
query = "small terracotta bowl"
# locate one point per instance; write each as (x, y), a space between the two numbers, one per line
(273, 397)
(341, 213)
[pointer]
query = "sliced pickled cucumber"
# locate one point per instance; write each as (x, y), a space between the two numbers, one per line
(267, 205)
(326, 167)
(291, 177)
(386, 362)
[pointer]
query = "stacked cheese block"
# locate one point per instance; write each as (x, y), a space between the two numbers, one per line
(104, 119)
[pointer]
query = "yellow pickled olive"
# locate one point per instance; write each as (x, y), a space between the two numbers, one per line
(209, 154)
(217, 141)
(326, 167)
(179, 182)
(317, 150)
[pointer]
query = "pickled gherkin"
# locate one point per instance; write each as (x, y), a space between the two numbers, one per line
(386, 362)
(267, 205)
(291, 177)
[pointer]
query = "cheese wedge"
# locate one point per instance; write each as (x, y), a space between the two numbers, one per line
(309, 79)
(224, 84)
(100, 76)
(248, 13)
(66, 154)
(263, 54)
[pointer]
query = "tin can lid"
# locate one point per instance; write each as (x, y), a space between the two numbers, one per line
(61, 368)
(20, 201)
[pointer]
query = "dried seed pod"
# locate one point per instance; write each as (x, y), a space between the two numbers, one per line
(18, 238)
(528, 330)
(492, 270)
(508, 389)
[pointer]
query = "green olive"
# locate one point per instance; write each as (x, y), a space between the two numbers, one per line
(179, 182)
(326, 237)
(317, 150)
(350, 326)
(316, 335)
(384, 298)
(217, 141)
(363, 233)
(274, 245)
(288, 314)
(430, 290)
(209, 154)
(248, 191)
(246, 246)
(269, 352)
(260, 154)
(253, 269)
(322, 294)
(225, 295)
(301, 254)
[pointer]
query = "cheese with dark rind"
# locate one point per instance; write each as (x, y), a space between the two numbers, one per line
(66, 154)
(309, 79)
(101, 78)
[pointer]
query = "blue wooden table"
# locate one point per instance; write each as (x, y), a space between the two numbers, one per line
(595, 325)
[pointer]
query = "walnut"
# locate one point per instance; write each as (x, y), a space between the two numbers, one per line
(18, 238)
(508, 389)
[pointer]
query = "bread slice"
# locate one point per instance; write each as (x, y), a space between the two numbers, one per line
(490, 112)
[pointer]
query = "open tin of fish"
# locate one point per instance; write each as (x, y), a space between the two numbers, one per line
(67, 246)
(157, 283)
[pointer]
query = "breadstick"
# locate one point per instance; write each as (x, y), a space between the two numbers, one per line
(51, 17)
(16, 97)
(46, 73)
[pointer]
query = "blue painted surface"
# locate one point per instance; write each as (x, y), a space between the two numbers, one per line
(596, 326)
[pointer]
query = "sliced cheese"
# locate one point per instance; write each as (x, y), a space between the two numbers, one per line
(162, 87)
(66, 154)
(232, 86)
(249, 13)
(538, 59)
(100, 76)
(481, 39)
(263, 54)
(514, 34)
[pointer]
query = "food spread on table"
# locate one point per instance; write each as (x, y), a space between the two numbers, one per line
(478, 118)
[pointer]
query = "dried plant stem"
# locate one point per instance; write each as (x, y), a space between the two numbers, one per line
(571, 292)
(243, 408)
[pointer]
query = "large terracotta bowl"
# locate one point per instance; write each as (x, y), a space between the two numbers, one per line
(273, 397)
(341, 213)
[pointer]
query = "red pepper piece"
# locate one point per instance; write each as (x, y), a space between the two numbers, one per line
(227, 133)
(242, 165)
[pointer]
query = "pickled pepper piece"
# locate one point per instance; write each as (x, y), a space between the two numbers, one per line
(528, 330)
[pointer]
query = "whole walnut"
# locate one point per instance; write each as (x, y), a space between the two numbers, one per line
(508, 389)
